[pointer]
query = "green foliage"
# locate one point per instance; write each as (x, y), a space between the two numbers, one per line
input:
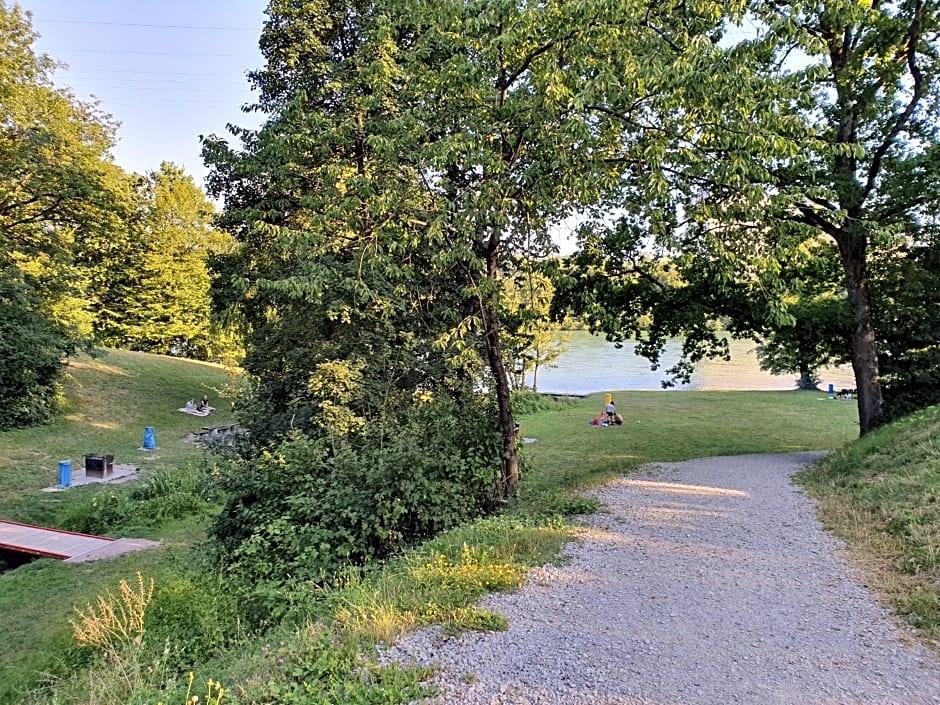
(54, 191)
(195, 615)
(315, 666)
(166, 495)
(530, 402)
(32, 347)
(535, 341)
(735, 178)
(906, 283)
(305, 507)
(158, 301)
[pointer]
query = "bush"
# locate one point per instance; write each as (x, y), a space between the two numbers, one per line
(195, 616)
(32, 351)
(307, 506)
(524, 402)
(171, 493)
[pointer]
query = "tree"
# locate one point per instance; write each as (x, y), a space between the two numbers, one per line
(507, 148)
(906, 311)
(165, 306)
(55, 177)
(532, 340)
(349, 301)
(777, 152)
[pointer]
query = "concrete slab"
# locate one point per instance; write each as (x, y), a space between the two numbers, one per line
(121, 473)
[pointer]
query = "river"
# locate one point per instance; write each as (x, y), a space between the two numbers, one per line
(591, 364)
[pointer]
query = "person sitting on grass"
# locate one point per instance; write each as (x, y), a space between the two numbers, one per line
(204, 404)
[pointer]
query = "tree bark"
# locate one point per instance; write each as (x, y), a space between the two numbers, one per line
(509, 478)
(807, 380)
(853, 250)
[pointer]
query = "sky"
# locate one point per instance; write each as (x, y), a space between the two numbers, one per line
(167, 71)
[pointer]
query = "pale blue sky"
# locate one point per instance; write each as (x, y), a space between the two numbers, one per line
(167, 71)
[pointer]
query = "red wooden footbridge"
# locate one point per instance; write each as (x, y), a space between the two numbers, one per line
(69, 546)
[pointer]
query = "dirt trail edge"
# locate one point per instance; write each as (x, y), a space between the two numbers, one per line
(700, 583)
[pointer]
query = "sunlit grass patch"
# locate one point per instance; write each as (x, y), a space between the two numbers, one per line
(474, 573)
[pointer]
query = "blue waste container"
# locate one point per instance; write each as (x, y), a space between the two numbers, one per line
(832, 391)
(150, 442)
(65, 473)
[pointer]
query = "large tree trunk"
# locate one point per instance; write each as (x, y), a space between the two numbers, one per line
(510, 465)
(864, 350)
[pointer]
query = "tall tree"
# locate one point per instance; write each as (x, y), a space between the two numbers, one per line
(366, 426)
(167, 307)
(507, 148)
(817, 127)
(55, 187)
(333, 260)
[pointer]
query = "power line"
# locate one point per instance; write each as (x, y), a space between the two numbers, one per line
(128, 52)
(146, 73)
(155, 26)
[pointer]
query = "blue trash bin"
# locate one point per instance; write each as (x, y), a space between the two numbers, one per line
(150, 442)
(65, 473)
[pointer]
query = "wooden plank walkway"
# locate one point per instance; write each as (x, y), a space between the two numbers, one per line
(52, 543)
(67, 545)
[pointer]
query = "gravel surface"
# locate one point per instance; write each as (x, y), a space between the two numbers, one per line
(703, 582)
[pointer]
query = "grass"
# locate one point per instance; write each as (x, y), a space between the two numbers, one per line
(673, 426)
(882, 495)
(109, 401)
(316, 647)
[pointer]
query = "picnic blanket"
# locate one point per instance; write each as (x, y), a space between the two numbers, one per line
(195, 412)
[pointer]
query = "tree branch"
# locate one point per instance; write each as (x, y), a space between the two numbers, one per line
(913, 37)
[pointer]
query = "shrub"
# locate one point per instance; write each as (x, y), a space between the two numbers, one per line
(524, 402)
(171, 493)
(307, 506)
(32, 351)
(195, 616)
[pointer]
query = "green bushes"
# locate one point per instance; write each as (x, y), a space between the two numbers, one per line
(166, 495)
(193, 614)
(306, 506)
(524, 402)
(32, 349)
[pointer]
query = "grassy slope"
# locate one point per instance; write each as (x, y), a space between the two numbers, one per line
(882, 495)
(109, 401)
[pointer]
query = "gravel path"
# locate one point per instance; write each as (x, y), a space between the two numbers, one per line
(704, 582)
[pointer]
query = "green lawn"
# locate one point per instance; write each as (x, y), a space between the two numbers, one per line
(676, 425)
(110, 400)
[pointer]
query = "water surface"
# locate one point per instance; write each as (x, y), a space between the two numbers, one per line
(591, 364)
